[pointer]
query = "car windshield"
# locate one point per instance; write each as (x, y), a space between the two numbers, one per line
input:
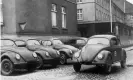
(80, 41)
(7, 43)
(104, 41)
(56, 41)
(33, 42)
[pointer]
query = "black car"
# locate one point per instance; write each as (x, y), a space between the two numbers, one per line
(46, 55)
(14, 57)
(66, 51)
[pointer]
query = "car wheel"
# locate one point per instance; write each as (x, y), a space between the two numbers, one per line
(40, 64)
(108, 68)
(77, 67)
(63, 59)
(7, 67)
(123, 62)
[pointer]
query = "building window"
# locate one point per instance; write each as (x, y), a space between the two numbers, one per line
(63, 11)
(80, 14)
(54, 15)
(79, 1)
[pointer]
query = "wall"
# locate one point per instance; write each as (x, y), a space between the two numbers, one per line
(9, 16)
(34, 16)
(88, 11)
(71, 17)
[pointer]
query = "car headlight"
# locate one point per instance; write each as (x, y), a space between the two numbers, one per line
(47, 54)
(17, 56)
(71, 51)
(58, 52)
(34, 54)
(100, 56)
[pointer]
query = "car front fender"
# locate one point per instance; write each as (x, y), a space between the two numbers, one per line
(67, 52)
(41, 53)
(105, 60)
(12, 57)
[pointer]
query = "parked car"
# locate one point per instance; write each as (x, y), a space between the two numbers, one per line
(13, 57)
(46, 55)
(66, 51)
(102, 51)
(77, 42)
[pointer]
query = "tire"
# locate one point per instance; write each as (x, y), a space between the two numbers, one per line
(40, 65)
(7, 67)
(108, 68)
(77, 67)
(63, 59)
(123, 62)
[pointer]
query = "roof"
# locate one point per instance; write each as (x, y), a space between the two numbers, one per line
(104, 36)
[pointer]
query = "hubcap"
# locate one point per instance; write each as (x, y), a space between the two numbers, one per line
(62, 59)
(6, 66)
(40, 62)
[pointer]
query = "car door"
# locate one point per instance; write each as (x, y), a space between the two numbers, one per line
(116, 49)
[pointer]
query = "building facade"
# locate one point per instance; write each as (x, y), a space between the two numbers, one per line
(94, 17)
(129, 14)
(48, 17)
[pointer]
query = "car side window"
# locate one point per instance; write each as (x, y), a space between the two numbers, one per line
(80, 42)
(46, 43)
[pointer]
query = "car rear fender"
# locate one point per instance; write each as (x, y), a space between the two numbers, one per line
(11, 56)
(66, 52)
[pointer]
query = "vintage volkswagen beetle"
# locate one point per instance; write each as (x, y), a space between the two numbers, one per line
(100, 50)
(66, 51)
(46, 55)
(13, 57)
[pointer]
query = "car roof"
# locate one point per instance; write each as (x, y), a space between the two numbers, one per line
(103, 36)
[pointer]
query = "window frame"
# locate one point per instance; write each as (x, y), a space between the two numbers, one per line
(64, 16)
(79, 14)
(54, 11)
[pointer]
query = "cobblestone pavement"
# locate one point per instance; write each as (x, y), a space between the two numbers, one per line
(66, 72)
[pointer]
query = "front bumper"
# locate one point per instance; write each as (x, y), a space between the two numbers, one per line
(93, 62)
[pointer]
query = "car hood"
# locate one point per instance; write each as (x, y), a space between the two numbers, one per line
(59, 46)
(91, 52)
(39, 47)
(24, 52)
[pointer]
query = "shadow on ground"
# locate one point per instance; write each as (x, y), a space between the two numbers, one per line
(25, 72)
(101, 71)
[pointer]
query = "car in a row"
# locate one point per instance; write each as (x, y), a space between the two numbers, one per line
(102, 51)
(32, 53)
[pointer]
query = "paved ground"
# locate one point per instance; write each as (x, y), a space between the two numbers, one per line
(66, 72)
